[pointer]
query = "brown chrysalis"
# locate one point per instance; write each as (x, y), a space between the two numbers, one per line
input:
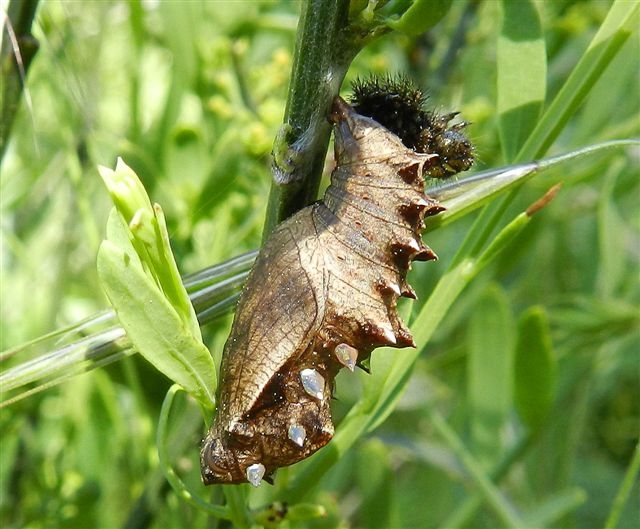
(321, 296)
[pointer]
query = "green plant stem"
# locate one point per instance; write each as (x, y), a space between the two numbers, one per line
(177, 484)
(236, 498)
(299, 150)
(236, 510)
(19, 47)
(625, 490)
(471, 504)
(489, 491)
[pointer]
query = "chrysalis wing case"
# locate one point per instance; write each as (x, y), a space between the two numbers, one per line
(321, 296)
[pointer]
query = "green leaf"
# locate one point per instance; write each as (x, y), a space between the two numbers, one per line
(535, 368)
(146, 229)
(490, 371)
(520, 98)
(421, 16)
(153, 325)
(141, 279)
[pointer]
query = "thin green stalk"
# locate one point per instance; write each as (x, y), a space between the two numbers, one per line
(480, 232)
(463, 512)
(329, 36)
(236, 498)
(489, 491)
(19, 47)
(236, 509)
(179, 486)
(300, 148)
(624, 491)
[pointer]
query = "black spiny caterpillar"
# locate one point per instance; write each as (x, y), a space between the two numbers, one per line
(321, 296)
(399, 106)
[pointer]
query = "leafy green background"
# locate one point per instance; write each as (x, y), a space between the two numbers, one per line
(535, 364)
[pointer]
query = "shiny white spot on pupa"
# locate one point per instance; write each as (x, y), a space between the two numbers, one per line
(414, 245)
(346, 355)
(312, 382)
(394, 287)
(389, 335)
(255, 473)
(297, 434)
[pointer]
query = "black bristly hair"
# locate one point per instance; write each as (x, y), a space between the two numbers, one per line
(397, 104)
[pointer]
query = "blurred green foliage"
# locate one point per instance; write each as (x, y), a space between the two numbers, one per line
(191, 95)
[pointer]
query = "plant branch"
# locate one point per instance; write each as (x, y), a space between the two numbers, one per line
(19, 47)
(300, 148)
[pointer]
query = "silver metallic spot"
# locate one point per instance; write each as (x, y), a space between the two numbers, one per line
(389, 335)
(394, 288)
(413, 244)
(255, 473)
(346, 355)
(297, 434)
(312, 382)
